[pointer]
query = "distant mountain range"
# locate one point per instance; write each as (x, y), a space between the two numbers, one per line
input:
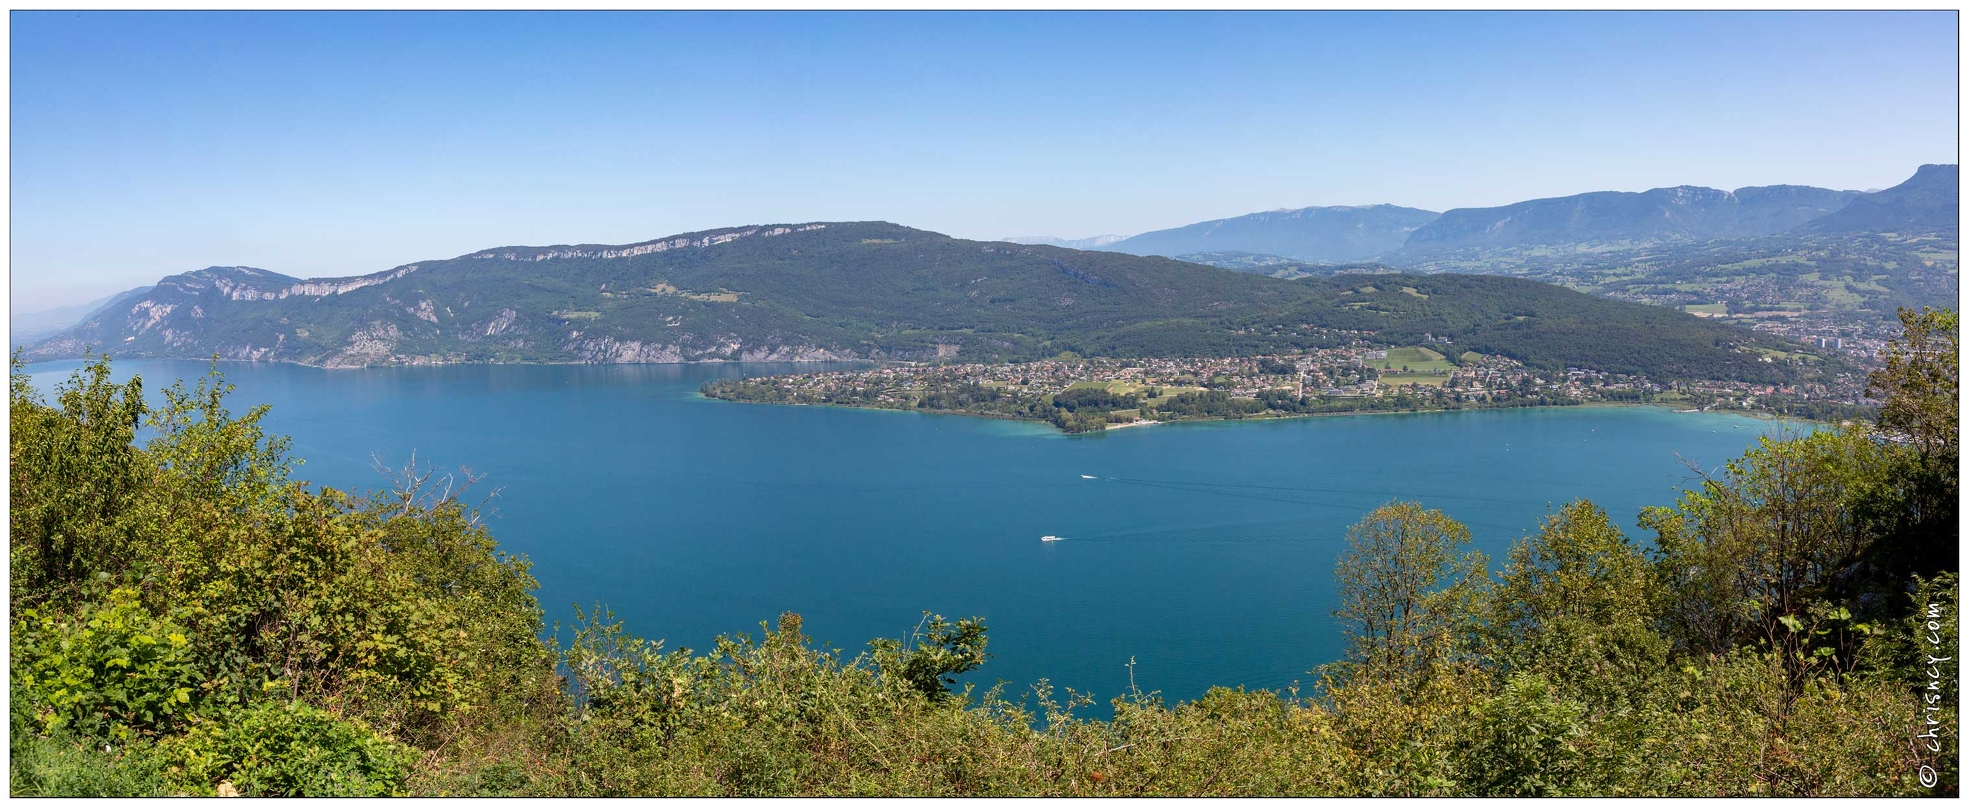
(861, 290)
(29, 326)
(1925, 203)
(1307, 234)
(1928, 201)
(1682, 212)
(1278, 266)
(1089, 243)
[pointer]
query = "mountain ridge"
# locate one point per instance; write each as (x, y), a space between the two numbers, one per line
(1680, 213)
(1332, 233)
(873, 290)
(1677, 212)
(1089, 243)
(1929, 201)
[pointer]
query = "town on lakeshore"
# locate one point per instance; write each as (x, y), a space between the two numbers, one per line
(1094, 394)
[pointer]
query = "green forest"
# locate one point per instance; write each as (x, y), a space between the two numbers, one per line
(189, 618)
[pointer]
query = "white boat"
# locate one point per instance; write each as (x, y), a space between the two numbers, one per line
(1088, 477)
(1049, 538)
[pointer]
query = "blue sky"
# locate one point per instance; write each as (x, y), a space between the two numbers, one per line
(320, 144)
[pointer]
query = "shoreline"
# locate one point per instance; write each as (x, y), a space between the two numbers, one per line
(114, 358)
(1758, 414)
(1278, 417)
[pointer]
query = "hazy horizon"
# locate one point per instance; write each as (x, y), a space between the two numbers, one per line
(318, 144)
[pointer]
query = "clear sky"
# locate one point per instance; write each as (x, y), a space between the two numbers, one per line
(320, 144)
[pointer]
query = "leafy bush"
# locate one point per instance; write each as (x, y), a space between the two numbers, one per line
(288, 750)
(397, 607)
(1527, 741)
(112, 669)
(76, 480)
(938, 651)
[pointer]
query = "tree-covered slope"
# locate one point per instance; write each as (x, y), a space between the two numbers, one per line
(872, 290)
(1540, 324)
(1344, 233)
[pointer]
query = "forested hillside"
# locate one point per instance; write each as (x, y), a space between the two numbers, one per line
(862, 290)
(187, 617)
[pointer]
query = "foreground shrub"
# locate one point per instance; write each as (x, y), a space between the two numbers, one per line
(112, 669)
(288, 750)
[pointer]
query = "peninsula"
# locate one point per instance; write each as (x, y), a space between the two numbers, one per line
(1092, 395)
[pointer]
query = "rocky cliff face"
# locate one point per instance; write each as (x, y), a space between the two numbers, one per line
(633, 250)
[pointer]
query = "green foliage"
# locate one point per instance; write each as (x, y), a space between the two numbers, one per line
(772, 716)
(111, 669)
(71, 518)
(937, 652)
(1918, 505)
(1577, 603)
(1777, 531)
(1527, 741)
(1209, 404)
(1406, 589)
(1094, 398)
(212, 581)
(1920, 382)
(288, 750)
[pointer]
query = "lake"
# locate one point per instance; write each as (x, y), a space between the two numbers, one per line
(1202, 551)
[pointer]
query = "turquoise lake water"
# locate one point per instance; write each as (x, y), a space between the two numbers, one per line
(1204, 551)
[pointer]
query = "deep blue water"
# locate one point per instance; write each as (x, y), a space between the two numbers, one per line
(1203, 551)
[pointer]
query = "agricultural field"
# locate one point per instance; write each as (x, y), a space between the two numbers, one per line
(1414, 359)
(1168, 391)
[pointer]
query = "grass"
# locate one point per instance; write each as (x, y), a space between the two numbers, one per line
(1836, 294)
(1399, 379)
(1415, 359)
(1788, 355)
(1712, 309)
(72, 767)
(1169, 391)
